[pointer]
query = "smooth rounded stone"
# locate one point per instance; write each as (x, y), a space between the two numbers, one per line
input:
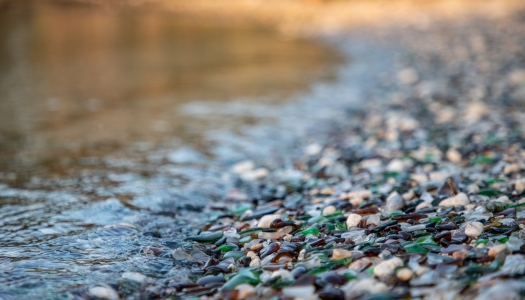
(329, 292)
(211, 279)
(134, 276)
(267, 220)
(243, 166)
(460, 199)
(394, 202)
(363, 263)
(453, 155)
(298, 272)
(474, 229)
(494, 251)
(357, 288)
(338, 254)
(301, 292)
(387, 267)
(255, 262)
(330, 209)
(404, 274)
(395, 165)
(461, 254)
(353, 220)
(423, 205)
(103, 291)
(256, 247)
(245, 291)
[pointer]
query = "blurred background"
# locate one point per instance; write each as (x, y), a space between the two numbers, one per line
(81, 78)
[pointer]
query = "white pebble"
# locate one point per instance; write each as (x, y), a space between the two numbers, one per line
(267, 220)
(135, 276)
(103, 292)
(387, 267)
(353, 220)
(474, 229)
(460, 199)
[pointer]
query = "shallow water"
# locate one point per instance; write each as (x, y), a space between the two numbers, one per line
(60, 224)
(83, 81)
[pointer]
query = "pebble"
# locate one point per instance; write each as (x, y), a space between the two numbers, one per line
(387, 267)
(453, 155)
(460, 199)
(394, 202)
(103, 292)
(135, 276)
(256, 247)
(245, 290)
(300, 292)
(341, 254)
(404, 274)
(494, 251)
(329, 210)
(474, 229)
(267, 220)
(423, 205)
(461, 254)
(353, 220)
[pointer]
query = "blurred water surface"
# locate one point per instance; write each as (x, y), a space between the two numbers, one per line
(78, 80)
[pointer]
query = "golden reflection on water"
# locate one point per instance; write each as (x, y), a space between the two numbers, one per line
(74, 78)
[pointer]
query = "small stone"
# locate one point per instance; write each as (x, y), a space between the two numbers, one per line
(461, 254)
(103, 292)
(356, 288)
(135, 276)
(267, 220)
(387, 267)
(460, 199)
(474, 229)
(356, 201)
(453, 155)
(299, 292)
(255, 262)
(394, 202)
(423, 205)
(494, 251)
(329, 210)
(353, 220)
(511, 168)
(395, 165)
(256, 247)
(404, 274)
(341, 254)
(245, 290)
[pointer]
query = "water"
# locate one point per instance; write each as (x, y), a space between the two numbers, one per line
(115, 139)
(82, 81)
